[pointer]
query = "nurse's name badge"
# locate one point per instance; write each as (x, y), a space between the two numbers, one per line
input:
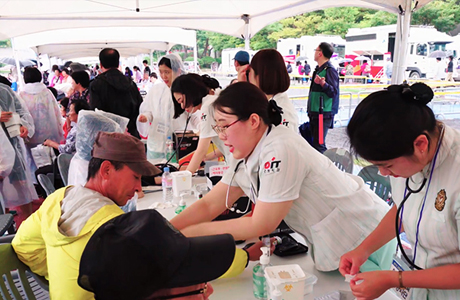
(441, 199)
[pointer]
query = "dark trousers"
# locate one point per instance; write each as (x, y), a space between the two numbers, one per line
(314, 129)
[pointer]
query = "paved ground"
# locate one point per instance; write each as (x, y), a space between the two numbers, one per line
(337, 137)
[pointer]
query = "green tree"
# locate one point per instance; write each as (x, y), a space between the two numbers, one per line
(443, 15)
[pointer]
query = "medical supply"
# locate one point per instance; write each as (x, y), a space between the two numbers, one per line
(166, 183)
(181, 207)
(349, 277)
(170, 153)
(337, 295)
(291, 280)
(258, 274)
(181, 181)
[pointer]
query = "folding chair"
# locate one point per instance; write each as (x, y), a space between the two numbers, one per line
(17, 281)
(6, 220)
(379, 184)
(46, 183)
(63, 162)
(341, 158)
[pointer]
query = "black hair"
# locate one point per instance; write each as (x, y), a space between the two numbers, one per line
(145, 61)
(268, 65)
(65, 103)
(66, 70)
(55, 67)
(32, 75)
(326, 49)
(153, 74)
(53, 91)
(243, 99)
(95, 165)
(81, 77)
(135, 68)
(438, 58)
(109, 58)
(386, 123)
(80, 105)
(5, 81)
(165, 61)
(194, 87)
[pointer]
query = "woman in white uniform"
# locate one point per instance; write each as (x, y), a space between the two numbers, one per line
(268, 72)
(156, 112)
(194, 94)
(287, 179)
(395, 130)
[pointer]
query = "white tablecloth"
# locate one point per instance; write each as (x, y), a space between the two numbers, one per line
(240, 287)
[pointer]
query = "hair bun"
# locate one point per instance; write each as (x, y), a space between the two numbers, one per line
(419, 92)
(274, 112)
(423, 92)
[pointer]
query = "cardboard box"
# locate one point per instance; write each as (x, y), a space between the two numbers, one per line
(188, 145)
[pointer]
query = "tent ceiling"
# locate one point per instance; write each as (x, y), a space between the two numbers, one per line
(22, 17)
(69, 43)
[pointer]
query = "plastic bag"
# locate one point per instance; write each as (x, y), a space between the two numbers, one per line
(6, 155)
(43, 155)
(122, 121)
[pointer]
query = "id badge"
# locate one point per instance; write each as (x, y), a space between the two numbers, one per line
(161, 128)
(399, 265)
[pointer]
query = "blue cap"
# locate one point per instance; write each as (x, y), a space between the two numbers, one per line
(242, 56)
(166, 169)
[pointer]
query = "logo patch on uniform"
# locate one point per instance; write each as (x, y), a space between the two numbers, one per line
(285, 123)
(441, 199)
(272, 166)
(203, 117)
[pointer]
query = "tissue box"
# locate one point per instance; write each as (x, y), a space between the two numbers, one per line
(181, 181)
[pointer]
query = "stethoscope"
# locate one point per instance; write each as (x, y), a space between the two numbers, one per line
(228, 191)
(400, 211)
(251, 188)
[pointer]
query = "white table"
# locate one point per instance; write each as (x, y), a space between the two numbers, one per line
(240, 287)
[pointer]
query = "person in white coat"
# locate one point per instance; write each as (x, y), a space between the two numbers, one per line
(268, 72)
(423, 159)
(286, 179)
(193, 95)
(155, 121)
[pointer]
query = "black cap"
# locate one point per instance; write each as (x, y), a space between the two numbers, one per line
(138, 253)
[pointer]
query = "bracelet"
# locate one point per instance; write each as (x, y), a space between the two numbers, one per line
(401, 285)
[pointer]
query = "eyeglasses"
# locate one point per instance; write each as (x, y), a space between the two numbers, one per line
(222, 129)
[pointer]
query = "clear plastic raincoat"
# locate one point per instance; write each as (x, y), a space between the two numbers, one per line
(159, 109)
(17, 188)
(46, 115)
(89, 124)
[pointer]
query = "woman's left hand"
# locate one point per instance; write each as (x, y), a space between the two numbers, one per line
(371, 285)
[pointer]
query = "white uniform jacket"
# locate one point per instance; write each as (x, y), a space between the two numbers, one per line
(333, 210)
(438, 239)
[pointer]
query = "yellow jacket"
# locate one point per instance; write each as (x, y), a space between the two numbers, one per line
(40, 245)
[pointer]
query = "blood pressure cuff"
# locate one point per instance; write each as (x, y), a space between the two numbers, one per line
(289, 246)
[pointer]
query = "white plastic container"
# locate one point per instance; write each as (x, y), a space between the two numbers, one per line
(291, 280)
(181, 181)
(13, 126)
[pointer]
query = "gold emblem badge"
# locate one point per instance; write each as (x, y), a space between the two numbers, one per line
(441, 199)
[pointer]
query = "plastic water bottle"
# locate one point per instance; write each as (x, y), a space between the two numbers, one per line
(170, 151)
(258, 275)
(166, 183)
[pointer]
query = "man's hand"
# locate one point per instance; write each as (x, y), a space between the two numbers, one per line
(24, 132)
(6, 116)
(320, 80)
(142, 119)
(255, 252)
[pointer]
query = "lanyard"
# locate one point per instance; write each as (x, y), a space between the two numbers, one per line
(407, 192)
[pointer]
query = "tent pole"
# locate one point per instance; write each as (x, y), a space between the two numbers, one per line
(403, 47)
(151, 58)
(396, 52)
(246, 36)
(19, 80)
(195, 54)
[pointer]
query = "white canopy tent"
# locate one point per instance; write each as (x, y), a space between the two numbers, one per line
(129, 41)
(234, 17)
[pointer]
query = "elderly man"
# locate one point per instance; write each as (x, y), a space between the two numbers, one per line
(51, 240)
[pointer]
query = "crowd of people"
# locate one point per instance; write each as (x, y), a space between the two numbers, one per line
(80, 230)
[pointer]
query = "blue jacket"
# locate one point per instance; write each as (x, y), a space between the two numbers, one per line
(330, 89)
